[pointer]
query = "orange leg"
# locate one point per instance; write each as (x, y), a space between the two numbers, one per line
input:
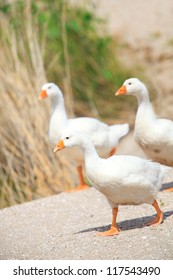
(169, 190)
(159, 218)
(114, 229)
(82, 185)
(113, 151)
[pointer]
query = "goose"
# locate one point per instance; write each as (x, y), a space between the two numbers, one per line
(124, 180)
(154, 135)
(105, 138)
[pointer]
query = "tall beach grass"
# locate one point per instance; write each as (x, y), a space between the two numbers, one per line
(28, 167)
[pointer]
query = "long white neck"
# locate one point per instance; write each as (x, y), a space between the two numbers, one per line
(145, 109)
(58, 114)
(58, 118)
(90, 152)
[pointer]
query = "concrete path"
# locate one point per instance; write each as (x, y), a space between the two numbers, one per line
(64, 227)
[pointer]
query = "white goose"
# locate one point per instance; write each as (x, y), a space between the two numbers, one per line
(154, 135)
(124, 180)
(105, 138)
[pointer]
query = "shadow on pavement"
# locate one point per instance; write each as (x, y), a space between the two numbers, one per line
(166, 186)
(128, 224)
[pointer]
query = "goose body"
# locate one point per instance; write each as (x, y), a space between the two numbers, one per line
(154, 135)
(105, 138)
(124, 180)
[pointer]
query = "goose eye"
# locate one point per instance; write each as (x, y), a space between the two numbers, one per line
(49, 87)
(130, 83)
(67, 138)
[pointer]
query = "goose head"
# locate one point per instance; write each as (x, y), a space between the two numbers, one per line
(69, 139)
(132, 86)
(50, 90)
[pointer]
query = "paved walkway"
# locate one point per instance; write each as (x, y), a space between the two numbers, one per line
(64, 226)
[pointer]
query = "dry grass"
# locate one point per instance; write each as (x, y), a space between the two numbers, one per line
(28, 167)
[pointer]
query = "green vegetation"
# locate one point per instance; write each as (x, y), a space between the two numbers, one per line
(78, 53)
(50, 40)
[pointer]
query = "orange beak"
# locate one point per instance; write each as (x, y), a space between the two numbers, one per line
(43, 94)
(122, 90)
(59, 146)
